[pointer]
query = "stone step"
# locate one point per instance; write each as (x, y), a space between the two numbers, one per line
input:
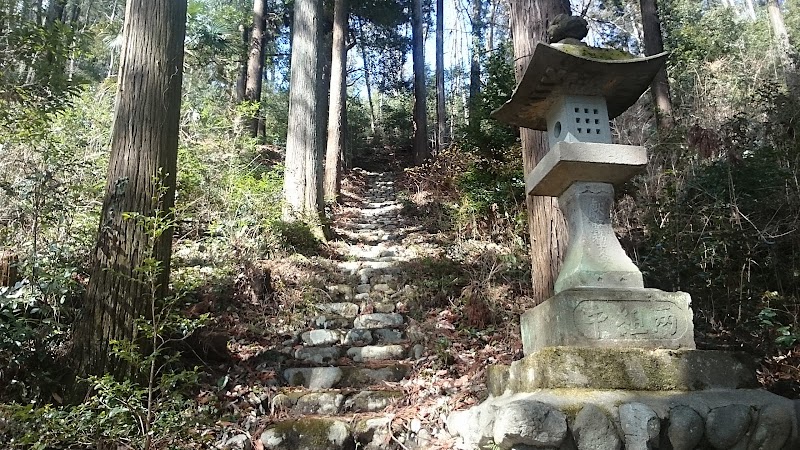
(380, 205)
(333, 321)
(370, 270)
(349, 267)
(344, 376)
(366, 226)
(377, 288)
(370, 237)
(379, 305)
(363, 431)
(318, 433)
(336, 401)
(388, 214)
(377, 353)
(378, 320)
(352, 337)
(318, 355)
(369, 321)
(344, 309)
(388, 336)
(320, 337)
(325, 355)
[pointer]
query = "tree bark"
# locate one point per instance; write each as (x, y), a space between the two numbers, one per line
(475, 64)
(241, 81)
(372, 119)
(338, 97)
(255, 60)
(141, 182)
(441, 113)
(654, 44)
(751, 10)
(111, 50)
(548, 230)
(55, 11)
(783, 48)
(491, 25)
(301, 187)
(421, 152)
(324, 61)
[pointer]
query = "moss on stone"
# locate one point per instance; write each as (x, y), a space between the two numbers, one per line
(571, 411)
(585, 51)
(306, 432)
(614, 368)
(497, 379)
(624, 368)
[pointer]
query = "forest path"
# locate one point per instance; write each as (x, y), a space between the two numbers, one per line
(373, 339)
(348, 378)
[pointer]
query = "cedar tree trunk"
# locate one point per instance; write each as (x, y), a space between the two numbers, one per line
(441, 113)
(338, 98)
(301, 187)
(421, 152)
(141, 183)
(654, 44)
(548, 230)
(255, 60)
(781, 39)
(475, 64)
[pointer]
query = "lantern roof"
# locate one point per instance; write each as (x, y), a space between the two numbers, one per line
(553, 72)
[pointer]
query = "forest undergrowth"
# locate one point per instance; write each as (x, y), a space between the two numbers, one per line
(243, 282)
(715, 214)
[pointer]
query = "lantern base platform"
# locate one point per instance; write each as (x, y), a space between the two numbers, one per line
(631, 369)
(569, 162)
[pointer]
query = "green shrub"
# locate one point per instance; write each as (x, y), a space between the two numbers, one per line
(724, 229)
(297, 237)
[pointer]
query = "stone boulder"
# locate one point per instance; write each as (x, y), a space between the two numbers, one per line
(685, 428)
(564, 26)
(727, 425)
(531, 423)
(593, 430)
(640, 424)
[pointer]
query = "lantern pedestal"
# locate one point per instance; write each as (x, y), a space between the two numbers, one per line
(610, 318)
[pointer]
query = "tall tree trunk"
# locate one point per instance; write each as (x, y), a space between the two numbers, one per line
(55, 11)
(301, 187)
(324, 61)
(491, 25)
(372, 119)
(751, 10)
(548, 230)
(141, 184)
(654, 44)
(476, 21)
(421, 152)
(338, 97)
(782, 46)
(241, 80)
(112, 50)
(255, 60)
(441, 113)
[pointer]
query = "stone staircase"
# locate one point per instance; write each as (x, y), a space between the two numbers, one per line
(346, 370)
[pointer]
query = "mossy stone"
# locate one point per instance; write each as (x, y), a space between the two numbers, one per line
(625, 368)
(308, 433)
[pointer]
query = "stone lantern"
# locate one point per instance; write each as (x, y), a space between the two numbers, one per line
(600, 299)
(609, 363)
